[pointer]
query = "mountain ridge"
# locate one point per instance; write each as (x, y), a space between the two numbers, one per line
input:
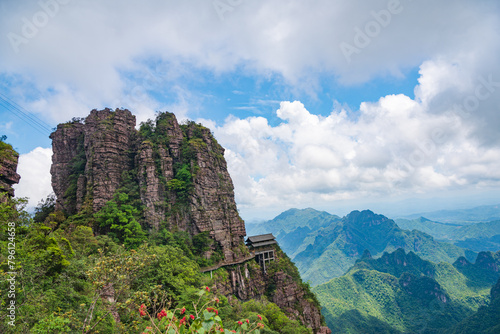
(333, 247)
(482, 213)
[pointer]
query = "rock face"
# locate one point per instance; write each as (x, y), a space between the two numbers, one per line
(108, 140)
(179, 176)
(89, 158)
(180, 171)
(248, 281)
(291, 298)
(8, 169)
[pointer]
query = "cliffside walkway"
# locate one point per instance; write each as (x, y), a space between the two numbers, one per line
(225, 264)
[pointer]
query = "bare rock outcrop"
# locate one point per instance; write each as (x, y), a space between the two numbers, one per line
(8, 169)
(67, 143)
(91, 157)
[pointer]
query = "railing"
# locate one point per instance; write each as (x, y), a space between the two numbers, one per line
(224, 264)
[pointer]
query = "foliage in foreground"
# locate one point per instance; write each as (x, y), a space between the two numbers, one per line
(70, 281)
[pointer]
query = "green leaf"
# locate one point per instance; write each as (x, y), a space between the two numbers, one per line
(208, 325)
(207, 315)
(201, 330)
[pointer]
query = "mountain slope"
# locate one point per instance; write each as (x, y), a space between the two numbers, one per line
(336, 247)
(486, 320)
(291, 228)
(476, 236)
(437, 229)
(401, 292)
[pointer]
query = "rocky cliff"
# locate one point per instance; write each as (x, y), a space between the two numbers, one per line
(177, 176)
(8, 169)
(281, 284)
(180, 171)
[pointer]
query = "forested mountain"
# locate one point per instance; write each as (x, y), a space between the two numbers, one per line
(486, 320)
(324, 246)
(475, 236)
(142, 233)
(403, 293)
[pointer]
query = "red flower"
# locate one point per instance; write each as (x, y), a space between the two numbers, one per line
(248, 321)
(258, 316)
(191, 316)
(240, 323)
(216, 312)
(260, 325)
(217, 300)
(142, 311)
(183, 321)
(207, 288)
(183, 310)
(162, 314)
(222, 330)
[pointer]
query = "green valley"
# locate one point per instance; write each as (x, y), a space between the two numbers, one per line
(403, 293)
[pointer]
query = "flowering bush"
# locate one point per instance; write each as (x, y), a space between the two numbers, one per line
(205, 320)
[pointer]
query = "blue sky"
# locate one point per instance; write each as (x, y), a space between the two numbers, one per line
(387, 105)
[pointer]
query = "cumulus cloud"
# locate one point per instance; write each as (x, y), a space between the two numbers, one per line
(146, 57)
(34, 168)
(80, 55)
(396, 146)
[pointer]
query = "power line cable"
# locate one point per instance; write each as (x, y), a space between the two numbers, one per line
(23, 111)
(24, 115)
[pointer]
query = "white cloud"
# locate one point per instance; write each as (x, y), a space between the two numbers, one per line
(35, 183)
(395, 147)
(80, 58)
(96, 53)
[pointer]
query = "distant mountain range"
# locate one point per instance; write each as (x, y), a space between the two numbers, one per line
(485, 213)
(477, 237)
(402, 293)
(324, 246)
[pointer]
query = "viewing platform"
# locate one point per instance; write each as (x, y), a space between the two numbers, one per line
(260, 250)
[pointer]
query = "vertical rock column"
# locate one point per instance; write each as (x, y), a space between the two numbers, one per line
(66, 142)
(152, 190)
(108, 143)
